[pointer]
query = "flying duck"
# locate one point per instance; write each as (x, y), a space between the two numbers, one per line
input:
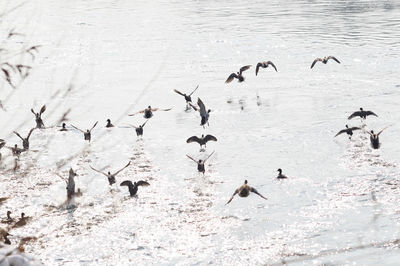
(202, 110)
(109, 123)
(148, 112)
(324, 60)
(188, 98)
(238, 75)
(139, 129)
(86, 135)
(202, 140)
(243, 191)
(265, 65)
(25, 141)
(200, 163)
(9, 219)
(38, 117)
(63, 128)
(374, 138)
(348, 130)
(133, 188)
(111, 177)
(363, 114)
(280, 175)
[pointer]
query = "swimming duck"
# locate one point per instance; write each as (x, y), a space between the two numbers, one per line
(280, 175)
(238, 75)
(9, 219)
(38, 117)
(363, 114)
(348, 131)
(22, 221)
(25, 141)
(5, 234)
(109, 123)
(200, 163)
(148, 112)
(374, 138)
(202, 140)
(188, 98)
(265, 65)
(86, 135)
(243, 191)
(139, 129)
(324, 60)
(133, 188)
(16, 151)
(63, 128)
(111, 177)
(202, 110)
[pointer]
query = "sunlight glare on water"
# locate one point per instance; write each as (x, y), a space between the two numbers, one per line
(121, 56)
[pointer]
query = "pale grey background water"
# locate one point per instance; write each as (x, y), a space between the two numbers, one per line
(122, 56)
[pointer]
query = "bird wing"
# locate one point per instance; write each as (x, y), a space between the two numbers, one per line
(355, 128)
(209, 137)
(137, 113)
(98, 171)
(272, 64)
(179, 92)
(315, 61)
(194, 90)
(126, 183)
(78, 129)
(257, 67)
(200, 103)
(358, 113)
(95, 124)
(16, 133)
(2, 144)
(234, 194)
(42, 109)
(158, 109)
(194, 107)
(208, 157)
(30, 132)
(340, 132)
(334, 58)
(381, 131)
(33, 112)
(370, 113)
(191, 158)
(193, 139)
(255, 191)
(369, 133)
(132, 125)
(244, 68)
(116, 173)
(142, 183)
(144, 123)
(231, 77)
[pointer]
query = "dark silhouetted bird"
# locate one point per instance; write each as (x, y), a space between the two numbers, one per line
(265, 65)
(237, 75)
(244, 190)
(324, 60)
(133, 188)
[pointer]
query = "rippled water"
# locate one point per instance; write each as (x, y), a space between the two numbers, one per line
(339, 204)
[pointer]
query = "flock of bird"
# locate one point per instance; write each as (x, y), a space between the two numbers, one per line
(243, 191)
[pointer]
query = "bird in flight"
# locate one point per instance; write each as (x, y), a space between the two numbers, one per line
(238, 75)
(324, 60)
(265, 65)
(109, 175)
(243, 191)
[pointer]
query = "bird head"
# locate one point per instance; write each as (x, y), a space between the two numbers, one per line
(108, 173)
(361, 109)
(245, 181)
(347, 126)
(209, 110)
(280, 170)
(200, 161)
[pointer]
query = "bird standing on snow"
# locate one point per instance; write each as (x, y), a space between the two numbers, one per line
(243, 191)
(324, 60)
(238, 75)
